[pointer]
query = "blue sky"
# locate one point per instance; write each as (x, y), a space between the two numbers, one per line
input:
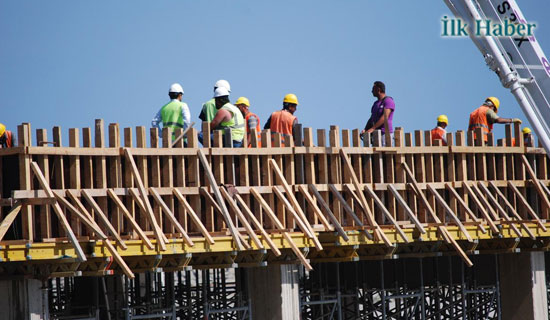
(67, 63)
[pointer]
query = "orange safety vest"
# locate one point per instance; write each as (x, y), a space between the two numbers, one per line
(478, 119)
(438, 134)
(258, 130)
(8, 142)
(281, 122)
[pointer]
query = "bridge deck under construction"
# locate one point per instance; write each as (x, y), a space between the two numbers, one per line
(100, 206)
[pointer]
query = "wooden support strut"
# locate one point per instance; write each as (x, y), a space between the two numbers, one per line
(104, 220)
(280, 226)
(331, 215)
(178, 139)
(503, 212)
(386, 213)
(193, 215)
(442, 230)
(536, 182)
(469, 212)
(363, 201)
(88, 221)
(295, 203)
(522, 200)
(408, 210)
(481, 208)
(450, 212)
(171, 216)
(258, 225)
(8, 220)
(80, 254)
(221, 203)
(318, 213)
(147, 205)
(137, 198)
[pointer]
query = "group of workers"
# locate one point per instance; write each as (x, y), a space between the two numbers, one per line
(223, 115)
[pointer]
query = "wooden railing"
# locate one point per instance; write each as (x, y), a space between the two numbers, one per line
(100, 190)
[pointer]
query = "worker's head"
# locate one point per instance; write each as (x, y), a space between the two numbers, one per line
(492, 102)
(222, 83)
(2, 129)
(526, 132)
(378, 88)
(442, 121)
(243, 104)
(221, 96)
(290, 102)
(175, 91)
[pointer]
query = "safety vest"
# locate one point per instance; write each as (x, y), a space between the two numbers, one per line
(281, 122)
(171, 115)
(439, 133)
(236, 123)
(478, 119)
(7, 140)
(258, 130)
(209, 110)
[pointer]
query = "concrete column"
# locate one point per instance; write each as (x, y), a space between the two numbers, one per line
(274, 292)
(23, 299)
(523, 286)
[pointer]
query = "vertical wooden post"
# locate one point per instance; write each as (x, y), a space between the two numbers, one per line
(193, 171)
(378, 173)
(180, 168)
(461, 173)
(335, 171)
(74, 176)
(128, 181)
(25, 182)
(100, 172)
(168, 177)
(267, 174)
(215, 222)
(309, 170)
(44, 164)
(141, 163)
(450, 171)
(59, 174)
(399, 171)
(115, 176)
(470, 157)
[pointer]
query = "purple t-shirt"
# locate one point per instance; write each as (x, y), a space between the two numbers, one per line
(377, 111)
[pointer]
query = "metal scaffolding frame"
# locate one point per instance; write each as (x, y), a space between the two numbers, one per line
(421, 288)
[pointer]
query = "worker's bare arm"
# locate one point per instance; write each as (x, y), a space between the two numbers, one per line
(380, 121)
(221, 116)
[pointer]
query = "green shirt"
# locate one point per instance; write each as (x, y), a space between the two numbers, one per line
(209, 110)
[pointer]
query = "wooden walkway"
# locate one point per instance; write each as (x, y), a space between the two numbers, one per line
(100, 206)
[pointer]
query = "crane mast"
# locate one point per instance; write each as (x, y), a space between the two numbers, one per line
(519, 62)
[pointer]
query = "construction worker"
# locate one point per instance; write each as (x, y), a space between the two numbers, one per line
(439, 132)
(485, 116)
(6, 140)
(174, 114)
(283, 121)
(227, 117)
(528, 137)
(381, 111)
(251, 120)
(209, 109)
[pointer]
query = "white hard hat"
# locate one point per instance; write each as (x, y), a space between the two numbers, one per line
(176, 88)
(221, 92)
(222, 83)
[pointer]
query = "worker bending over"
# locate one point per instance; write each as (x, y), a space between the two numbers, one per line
(485, 116)
(439, 132)
(227, 117)
(209, 109)
(283, 121)
(251, 120)
(381, 111)
(6, 140)
(175, 114)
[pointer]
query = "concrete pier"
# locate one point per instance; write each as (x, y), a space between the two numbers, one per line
(23, 299)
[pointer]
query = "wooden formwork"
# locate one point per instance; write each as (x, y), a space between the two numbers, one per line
(344, 185)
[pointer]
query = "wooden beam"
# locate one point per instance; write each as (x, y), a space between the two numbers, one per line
(221, 203)
(294, 202)
(143, 193)
(386, 213)
(481, 208)
(280, 226)
(131, 219)
(194, 216)
(178, 139)
(408, 210)
(103, 218)
(137, 198)
(241, 217)
(442, 202)
(171, 217)
(8, 220)
(522, 200)
(84, 216)
(318, 213)
(469, 212)
(331, 215)
(531, 173)
(257, 223)
(78, 249)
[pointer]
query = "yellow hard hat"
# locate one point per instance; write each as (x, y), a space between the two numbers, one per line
(243, 100)
(443, 118)
(2, 129)
(526, 130)
(495, 101)
(291, 98)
